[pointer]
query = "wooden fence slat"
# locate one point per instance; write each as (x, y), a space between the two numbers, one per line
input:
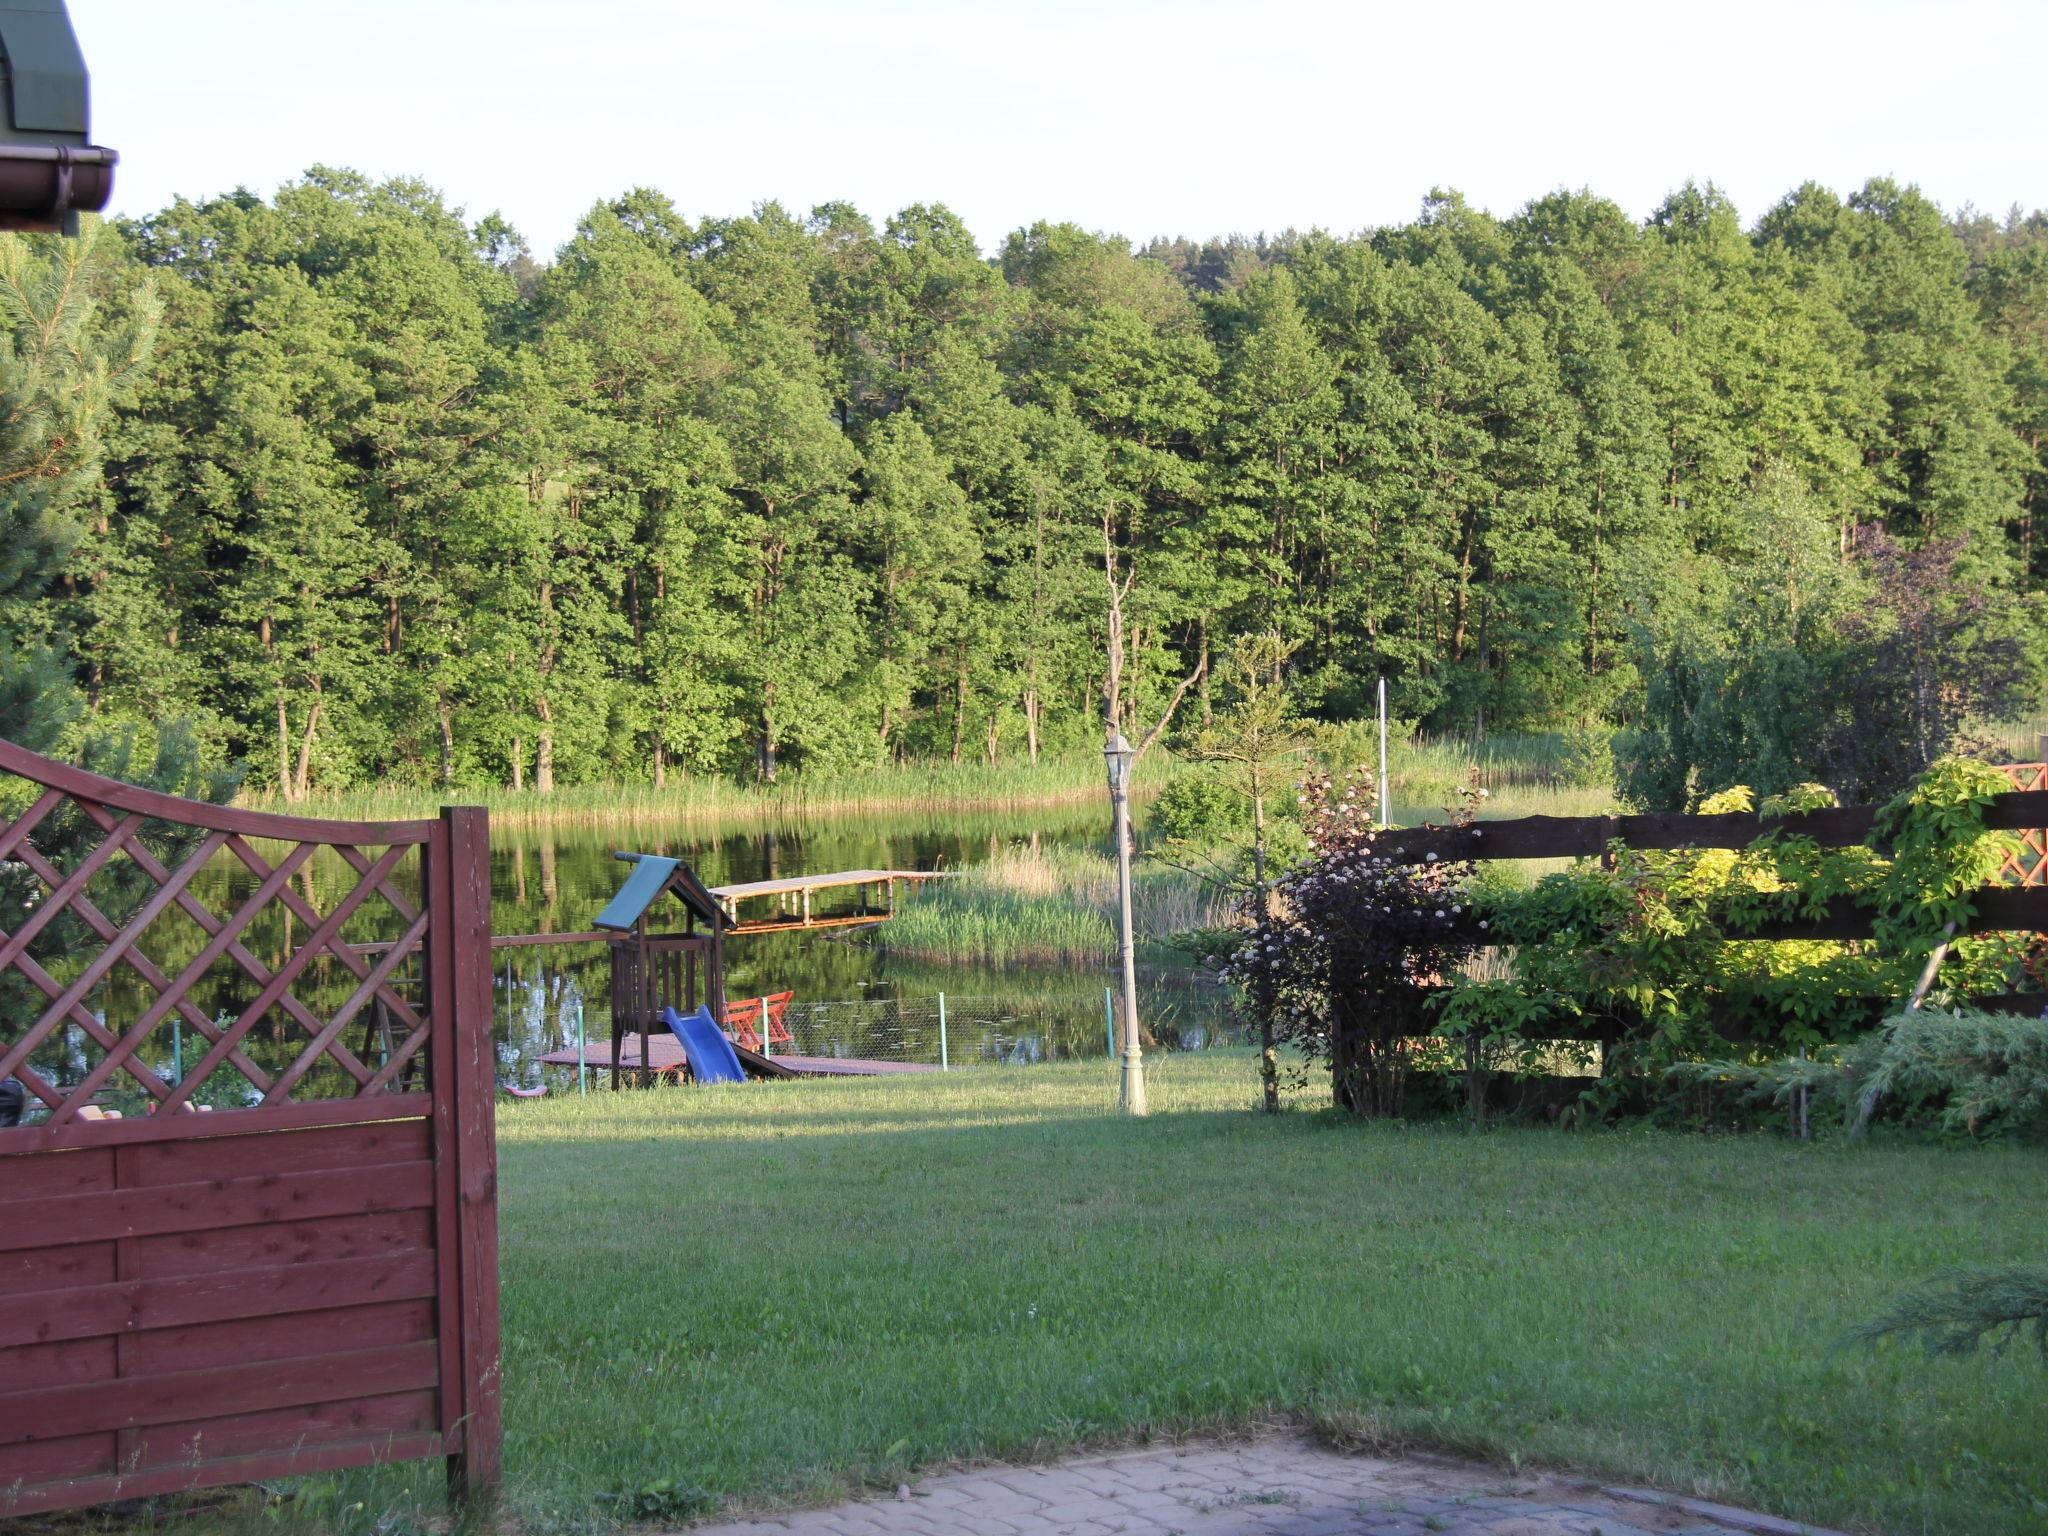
(459, 982)
(136, 1402)
(279, 1429)
(2000, 909)
(64, 779)
(300, 1242)
(76, 1492)
(337, 1146)
(202, 1207)
(40, 1139)
(53, 1365)
(288, 1337)
(73, 1456)
(46, 1269)
(1569, 837)
(169, 1301)
(63, 1173)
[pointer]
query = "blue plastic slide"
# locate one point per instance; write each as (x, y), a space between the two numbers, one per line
(711, 1056)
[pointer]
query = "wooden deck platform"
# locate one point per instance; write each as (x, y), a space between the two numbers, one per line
(791, 898)
(665, 1054)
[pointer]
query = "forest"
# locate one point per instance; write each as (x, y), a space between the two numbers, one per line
(368, 493)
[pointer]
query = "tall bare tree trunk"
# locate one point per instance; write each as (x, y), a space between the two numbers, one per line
(518, 763)
(959, 701)
(544, 748)
(447, 716)
(1262, 899)
(284, 746)
(1121, 757)
(303, 778)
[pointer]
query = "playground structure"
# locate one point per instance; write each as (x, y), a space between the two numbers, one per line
(658, 974)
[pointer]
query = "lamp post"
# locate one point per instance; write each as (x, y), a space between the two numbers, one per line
(1117, 756)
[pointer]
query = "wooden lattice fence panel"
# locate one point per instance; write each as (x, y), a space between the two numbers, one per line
(2027, 865)
(282, 1255)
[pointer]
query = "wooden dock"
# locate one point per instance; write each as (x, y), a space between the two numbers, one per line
(793, 908)
(665, 1055)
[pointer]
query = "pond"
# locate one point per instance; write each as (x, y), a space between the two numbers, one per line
(851, 998)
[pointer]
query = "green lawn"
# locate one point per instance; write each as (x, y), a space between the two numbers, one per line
(783, 1291)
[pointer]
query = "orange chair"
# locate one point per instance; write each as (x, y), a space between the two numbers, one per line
(743, 1020)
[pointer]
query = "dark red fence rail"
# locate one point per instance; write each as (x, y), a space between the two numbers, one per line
(2015, 906)
(282, 1256)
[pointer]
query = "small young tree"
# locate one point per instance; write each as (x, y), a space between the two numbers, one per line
(1250, 741)
(1121, 757)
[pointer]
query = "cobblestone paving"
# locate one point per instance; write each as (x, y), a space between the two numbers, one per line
(1272, 1487)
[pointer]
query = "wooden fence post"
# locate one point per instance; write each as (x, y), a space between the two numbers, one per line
(465, 1152)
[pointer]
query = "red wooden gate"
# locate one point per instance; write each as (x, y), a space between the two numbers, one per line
(282, 1256)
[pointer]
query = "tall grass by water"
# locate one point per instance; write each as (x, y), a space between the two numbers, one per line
(1525, 773)
(897, 789)
(1422, 774)
(1044, 906)
(784, 1293)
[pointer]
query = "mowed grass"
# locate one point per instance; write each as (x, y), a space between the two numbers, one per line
(785, 1292)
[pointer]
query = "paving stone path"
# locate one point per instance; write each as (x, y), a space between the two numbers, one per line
(1270, 1487)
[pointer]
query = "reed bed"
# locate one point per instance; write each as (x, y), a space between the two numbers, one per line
(1514, 760)
(1047, 906)
(897, 789)
(1524, 772)
(2019, 741)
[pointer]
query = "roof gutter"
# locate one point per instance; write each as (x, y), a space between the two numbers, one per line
(50, 172)
(46, 186)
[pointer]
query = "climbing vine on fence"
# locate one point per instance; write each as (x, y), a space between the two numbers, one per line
(1650, 951)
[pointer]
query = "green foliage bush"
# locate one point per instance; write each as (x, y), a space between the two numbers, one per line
(1200, 808)
(1963, 1072)
(1649, 950)
(1976, 1307)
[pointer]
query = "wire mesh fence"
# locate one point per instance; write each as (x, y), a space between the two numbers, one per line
(965, 1031)
(549, 1012)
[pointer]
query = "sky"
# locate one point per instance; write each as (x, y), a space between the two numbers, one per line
(1126, 116)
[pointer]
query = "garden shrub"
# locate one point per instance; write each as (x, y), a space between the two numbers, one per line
(1356, 945)
(1641, 951)
(1965, 1072)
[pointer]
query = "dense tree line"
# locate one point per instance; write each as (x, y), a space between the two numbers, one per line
(393, 501)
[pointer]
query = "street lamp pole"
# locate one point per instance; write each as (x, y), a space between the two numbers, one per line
(1117, 757)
